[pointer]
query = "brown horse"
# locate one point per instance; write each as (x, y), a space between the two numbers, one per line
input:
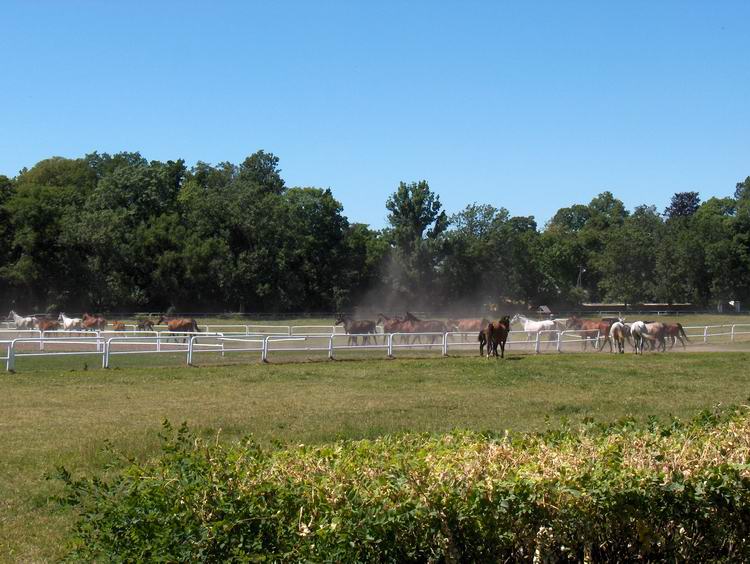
(591, 329)
(496, 335)
(118, 326)
(145, 324)
(180, 324)
(93, 322)
(45, 324)
(424, 326)
(354, 327)
(675, 332)
(466, 325)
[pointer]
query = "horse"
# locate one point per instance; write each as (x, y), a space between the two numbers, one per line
(653, 332)
(45, 324)
(467, 325)
(354, 327)
(20, 321)
(390, 324)
(531, 327)
(675, 332)
(497, 335)
(145, 324)
(592, 329)
(118, 326)
(70, 323)
(618, 333)
(180, 324)
(424, 326)
(93, 322)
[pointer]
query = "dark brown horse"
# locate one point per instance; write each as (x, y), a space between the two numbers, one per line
(495, 335)
(146, 324)
(354, 327)
(93, 322)
(591, 329)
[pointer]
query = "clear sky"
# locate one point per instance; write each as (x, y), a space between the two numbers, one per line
(527, 105)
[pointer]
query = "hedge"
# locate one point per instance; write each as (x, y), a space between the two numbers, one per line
(676, 492)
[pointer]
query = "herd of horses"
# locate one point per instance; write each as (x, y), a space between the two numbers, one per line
(98, 323)
(493, 335)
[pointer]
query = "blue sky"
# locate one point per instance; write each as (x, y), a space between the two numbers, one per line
(530, 106)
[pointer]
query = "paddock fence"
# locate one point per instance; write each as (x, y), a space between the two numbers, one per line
(265, 342)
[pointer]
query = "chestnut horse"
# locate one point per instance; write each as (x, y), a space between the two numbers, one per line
(180, 324)
(46, 324)
(466, 325)
(424, 326)
(118, 326)
(354, 327)
(93, 322)
(675, 332)
(591, 329)
(496, 335)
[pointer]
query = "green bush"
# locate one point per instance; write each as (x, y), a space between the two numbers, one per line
(677, 492)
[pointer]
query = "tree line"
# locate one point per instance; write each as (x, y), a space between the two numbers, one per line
(122, 233)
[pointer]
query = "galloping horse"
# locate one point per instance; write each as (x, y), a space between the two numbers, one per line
(533, 328)
(45, 324)
(354, 327)
(675, 332)
(467, 325)
(643, 332)
(93, 322)
(70, 323)
(592, 329)
(618, 333)
(145, 324)
(424, 326)
(496, 335)
(118, 326)
(180, 324)
(390, 324)
(21, 322)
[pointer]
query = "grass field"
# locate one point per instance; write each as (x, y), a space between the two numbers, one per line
(53, 416)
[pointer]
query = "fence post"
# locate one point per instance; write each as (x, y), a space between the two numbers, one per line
(536, 342)
(705, 334)
(10, 365)
(190, 351)
(390, 345)
(559, 340)
(330, 347)
(445, 344)
(105, 355)
(733, 333)
(41, 340)
(264, 352)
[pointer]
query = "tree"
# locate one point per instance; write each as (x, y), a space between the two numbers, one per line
(417, 223)
(683, 204)
(261, 170)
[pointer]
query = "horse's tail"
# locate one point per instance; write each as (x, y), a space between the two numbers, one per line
(682, 332)
(195, 326)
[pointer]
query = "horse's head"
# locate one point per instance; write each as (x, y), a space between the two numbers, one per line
(11, 315)
(573, 322)
(161, 320)
(341, 318)
(452, 324)
(411, 317)
(516, 317)
(61, 317)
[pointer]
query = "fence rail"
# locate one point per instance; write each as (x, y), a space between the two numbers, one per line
(113, 343)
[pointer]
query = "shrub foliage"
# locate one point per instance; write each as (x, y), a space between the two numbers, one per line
(665, 492)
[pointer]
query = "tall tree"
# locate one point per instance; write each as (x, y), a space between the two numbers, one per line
(683, 204)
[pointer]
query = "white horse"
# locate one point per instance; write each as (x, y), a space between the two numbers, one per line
(533, 328)
(70, 323)
(22, 322)
(642, 332)
(619, 333)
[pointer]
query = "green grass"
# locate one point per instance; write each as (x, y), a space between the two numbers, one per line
(52, 416)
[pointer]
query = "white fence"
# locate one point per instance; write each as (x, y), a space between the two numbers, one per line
(291, 339)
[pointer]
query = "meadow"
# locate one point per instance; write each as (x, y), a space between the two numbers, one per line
(52, 416)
